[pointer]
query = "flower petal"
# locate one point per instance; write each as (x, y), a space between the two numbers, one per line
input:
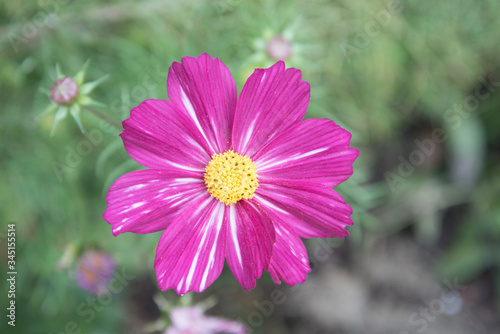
(185, 318)
(311, 210)
(250, 238)
(289, 260)
(190, 254)
(158, 135)
(174, 330)
(271, 101)
(146, 201)
(316, 150)
(220, 325)
(205, 90)
(192, 320)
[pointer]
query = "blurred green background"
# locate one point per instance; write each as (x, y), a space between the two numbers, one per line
(416, 82)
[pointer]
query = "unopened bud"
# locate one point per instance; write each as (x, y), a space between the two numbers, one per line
(279, 48)
(64, 91)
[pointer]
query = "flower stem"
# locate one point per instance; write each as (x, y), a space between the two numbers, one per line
(104, 117)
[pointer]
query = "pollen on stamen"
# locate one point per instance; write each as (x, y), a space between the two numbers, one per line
(230, 177)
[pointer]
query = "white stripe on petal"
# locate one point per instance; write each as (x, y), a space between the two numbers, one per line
(248, 135)
(136, 205)
(211, 257)
(204, 204)
(232, 221)
(197, 145)
(319, 150)
(191, 270)
(206, 231)
(180, 202)
(179, 287)
(133, 206)
(172, 196)
(185, 167)
(190, 109)
(186, 180)
(262, 165)
(266, 203)
(134, 187)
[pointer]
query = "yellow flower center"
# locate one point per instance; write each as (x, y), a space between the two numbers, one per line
(230, 177)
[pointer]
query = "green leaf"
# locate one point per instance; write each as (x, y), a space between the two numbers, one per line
(465, 261)
(80, 76)
(105, 155)
(75, 112)
(89, 86)
(59, 73)
(123, 168)
(52, 107)
(88, 101)
(62, 111)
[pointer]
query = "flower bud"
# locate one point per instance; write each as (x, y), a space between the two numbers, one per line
(64, 91)
(279, 48)
(94, 271)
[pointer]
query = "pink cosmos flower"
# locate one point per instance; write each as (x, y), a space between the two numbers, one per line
(191, 320)
(240, 179)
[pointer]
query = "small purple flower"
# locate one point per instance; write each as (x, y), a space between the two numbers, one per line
(191, 320)
(64, 91)
(240, 179)
(279, 48)
(94, 271)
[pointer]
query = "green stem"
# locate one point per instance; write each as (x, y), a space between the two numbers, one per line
(104, 117)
